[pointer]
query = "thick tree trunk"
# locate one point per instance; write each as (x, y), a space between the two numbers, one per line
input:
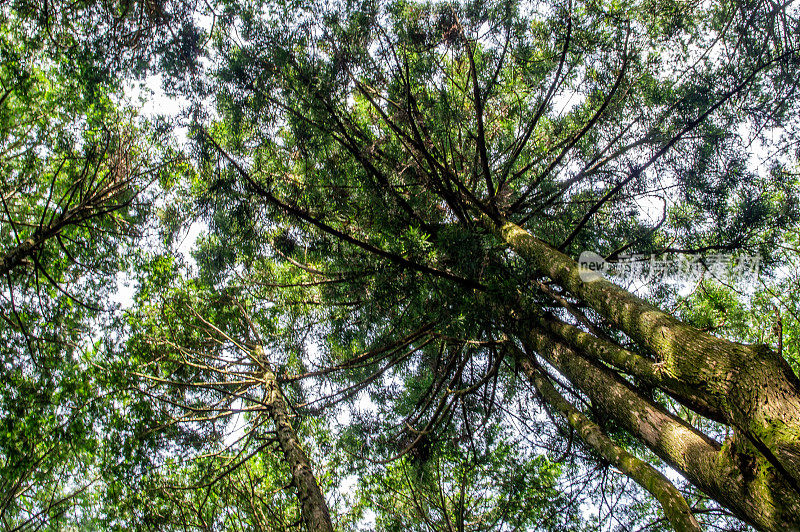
(674, 505)
(644, 369)
(749, 488)
(752, 386)
(313, 508)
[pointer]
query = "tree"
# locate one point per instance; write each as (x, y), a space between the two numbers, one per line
(427, 170)
(204, 360)
(75, 194)
(395, 194)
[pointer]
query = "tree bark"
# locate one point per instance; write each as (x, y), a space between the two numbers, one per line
(313, 507)
(672, 502)
(644, 369)
(749, 487)
(752, 386)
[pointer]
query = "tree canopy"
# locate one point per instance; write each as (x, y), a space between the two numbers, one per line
(383, 323)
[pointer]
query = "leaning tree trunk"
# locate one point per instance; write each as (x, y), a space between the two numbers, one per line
(752, 386)
(672, 502)
(93, 205)
(313, 507)
(752, 490)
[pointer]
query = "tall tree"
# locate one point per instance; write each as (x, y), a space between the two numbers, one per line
(395, 195)
(430, 169)
(204, 360)
(75, 175)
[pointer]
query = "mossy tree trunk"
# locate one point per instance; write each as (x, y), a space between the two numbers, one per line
(744, 483)
(675, 507)
(750, 388)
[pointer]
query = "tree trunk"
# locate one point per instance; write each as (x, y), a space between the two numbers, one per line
(752, 386)
(750, 488)
(313, 508)
(95, 205)
(674, 505)
(644, 369)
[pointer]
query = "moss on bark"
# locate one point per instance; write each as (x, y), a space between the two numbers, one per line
(751, 386)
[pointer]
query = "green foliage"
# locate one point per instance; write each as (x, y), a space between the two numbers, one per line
(75, 171)
(343, 176)
(466, 483)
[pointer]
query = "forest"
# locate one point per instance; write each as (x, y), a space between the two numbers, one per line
(401, 265)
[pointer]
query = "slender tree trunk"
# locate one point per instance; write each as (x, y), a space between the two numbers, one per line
(17, 256)
(750, 488)
(752, 386)
(313, 507)
(674, 505)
